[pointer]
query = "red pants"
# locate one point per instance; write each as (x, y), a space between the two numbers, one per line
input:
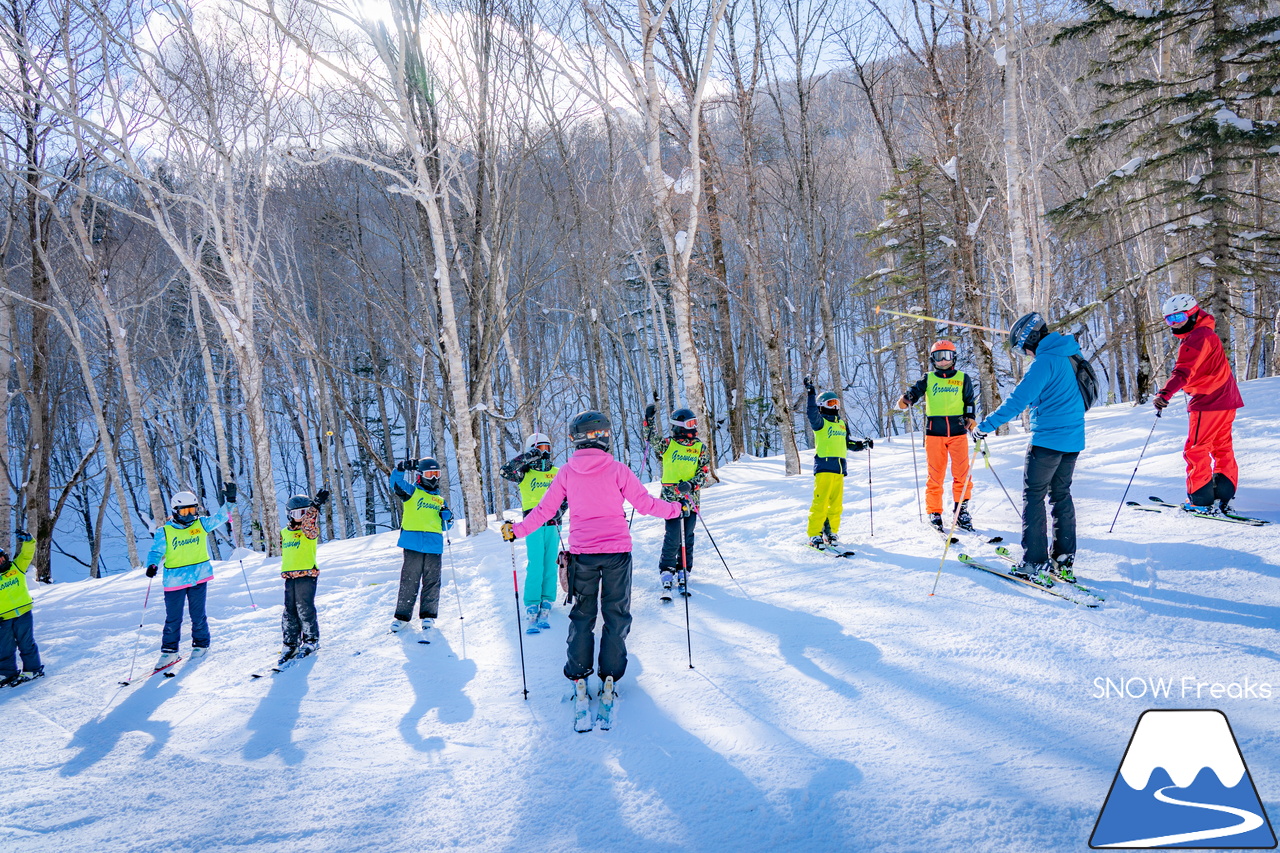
(937, 449)
(1208, 449)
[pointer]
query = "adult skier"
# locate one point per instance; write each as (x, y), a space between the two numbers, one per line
(950, 402)
(1050, 389)
(17, 624)
(181, 545)
(831, 441)
(595, 485)
(533, 470)
(1202, 370)
(685, 463)
(301, 574)
(424, 519)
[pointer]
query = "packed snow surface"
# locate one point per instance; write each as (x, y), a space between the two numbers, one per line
(834, 704)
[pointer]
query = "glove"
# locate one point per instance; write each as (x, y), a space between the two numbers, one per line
(229, 493)
(446, 514)
(649, 411)
(400, 466)
(321, 498)
(1160, 401)
(684, 487)
(869, 443)
(970, 424)
(23, 536)
(808, 384)
(508, 532)
(979, 435)
(152, 569)
(686, 507)
(903, 402)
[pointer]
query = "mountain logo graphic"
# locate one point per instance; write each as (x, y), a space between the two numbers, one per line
(1183, 783)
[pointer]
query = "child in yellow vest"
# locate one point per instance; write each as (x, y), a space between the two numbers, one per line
(830, 440)
(16, 622)
(426, 516)
(300, 572)
(685, 464)
(534, 472)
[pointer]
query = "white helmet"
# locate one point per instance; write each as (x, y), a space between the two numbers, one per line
(537, 438)
(182, 500)
(1179, 303)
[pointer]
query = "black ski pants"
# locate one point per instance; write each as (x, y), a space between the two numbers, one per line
(420, 571)
(670, 560)
(299, 620)
(1048, 473)
(601, 583)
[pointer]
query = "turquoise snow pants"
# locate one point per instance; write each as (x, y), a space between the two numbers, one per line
(542, 546)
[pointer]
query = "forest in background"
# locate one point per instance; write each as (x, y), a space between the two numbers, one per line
(288, 243)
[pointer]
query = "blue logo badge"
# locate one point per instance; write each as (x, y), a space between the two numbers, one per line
(1183, 783)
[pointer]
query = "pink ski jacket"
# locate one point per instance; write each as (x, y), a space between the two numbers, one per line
(595, 483)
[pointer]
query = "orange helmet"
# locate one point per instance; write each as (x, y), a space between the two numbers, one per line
(942, 350)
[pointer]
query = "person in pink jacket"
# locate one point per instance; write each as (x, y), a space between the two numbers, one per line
(595, 485)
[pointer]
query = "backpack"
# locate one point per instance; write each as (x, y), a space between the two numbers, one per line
(1086, 380)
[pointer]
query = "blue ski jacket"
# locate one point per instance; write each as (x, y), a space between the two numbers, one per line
(419, 540)
(1049, 387)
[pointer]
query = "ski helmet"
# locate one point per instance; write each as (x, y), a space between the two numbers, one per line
(590, 429)
(1026, 332)
(1179, 308)
(942, 350)
(829, 400)
(296, 506)
(684, 423)
(185, 506)
(537, 440)
(5, 562)
(429, 473)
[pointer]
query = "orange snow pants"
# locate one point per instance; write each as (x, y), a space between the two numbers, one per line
(937, 449)
(1208, 449)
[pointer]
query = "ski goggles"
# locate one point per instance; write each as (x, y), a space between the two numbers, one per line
(1177, 319)
(691, 423)
(186, 511)
(942, 355)
(298, 514)
(830, 404)
(430, 474)
(543, 447)
(594, 434)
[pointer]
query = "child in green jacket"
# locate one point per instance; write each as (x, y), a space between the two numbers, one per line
(16, 622)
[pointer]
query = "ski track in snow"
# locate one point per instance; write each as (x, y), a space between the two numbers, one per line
(834, 705)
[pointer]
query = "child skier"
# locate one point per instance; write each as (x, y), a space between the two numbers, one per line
(831, 440)
(685, 463)
(425, 518)
(1050, 388)
(595, 484)
(949, 406)
(181, 544)
(300, 572)
(17, 633)
(1202, 370)
(533, 470)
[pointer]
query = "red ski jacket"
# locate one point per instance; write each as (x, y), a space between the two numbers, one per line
(1202, 370)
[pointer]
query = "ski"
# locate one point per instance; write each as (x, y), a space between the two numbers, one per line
(582, 721)
(1007, 556)
(832, 550)
(18, 679)
(1233, 517)
(166, 669)
(1086, 601)
(287, 663)
(604, 705)
(665, 596)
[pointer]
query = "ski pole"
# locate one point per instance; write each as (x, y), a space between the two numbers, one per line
(252, 606)
(871, 501)
(515, 584)
(915, 466)
(1135, 470)
(458, 595)
(138, 638)
(712, 540)
(684, 563)
(955, 517)
(987, 459)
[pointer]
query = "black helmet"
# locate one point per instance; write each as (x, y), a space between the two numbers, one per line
(684, 423)
(590, 429)
(429, 473)
(1027, 332)
(295, 506)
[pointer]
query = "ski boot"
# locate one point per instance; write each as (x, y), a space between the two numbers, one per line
(1062, 568)
(935, 521)
(306, 649)
(286, 652)
(963, 521)
(198, 652)
(22, 678)
(1199, 509)
(604, 704)
(166, 659)
(398, 625)
(531, 619)
(682, 582)
(817, 542)
(544, 616)
(582, 721)
(10, 680)
(668, 578)
(1037, 573)
(830, 538)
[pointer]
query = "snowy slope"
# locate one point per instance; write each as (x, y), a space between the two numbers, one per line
(834, 705)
